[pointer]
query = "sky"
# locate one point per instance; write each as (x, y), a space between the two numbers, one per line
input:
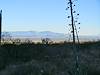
(49, 15)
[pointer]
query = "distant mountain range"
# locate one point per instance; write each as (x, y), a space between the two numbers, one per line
(34, 34)
(48, 34)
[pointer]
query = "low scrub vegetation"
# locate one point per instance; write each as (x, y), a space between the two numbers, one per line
(49, 59)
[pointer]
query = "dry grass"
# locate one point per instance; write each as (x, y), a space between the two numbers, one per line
(49, 59)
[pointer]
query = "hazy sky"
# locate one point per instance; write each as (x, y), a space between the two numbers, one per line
(49, 15)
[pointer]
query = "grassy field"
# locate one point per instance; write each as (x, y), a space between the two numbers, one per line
(49, 59)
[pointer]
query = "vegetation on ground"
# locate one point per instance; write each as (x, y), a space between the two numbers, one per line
(49, 59)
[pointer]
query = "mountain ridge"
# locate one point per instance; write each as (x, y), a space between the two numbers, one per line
(43, 34)
(48, 34)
